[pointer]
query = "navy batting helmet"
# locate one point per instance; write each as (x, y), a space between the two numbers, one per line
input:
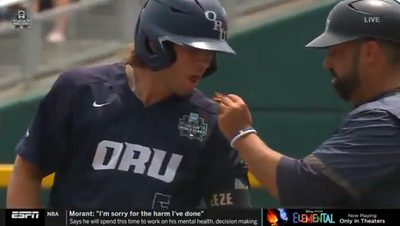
(353, 19)
(200, 24)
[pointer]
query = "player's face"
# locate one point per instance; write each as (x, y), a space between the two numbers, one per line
(188, 69)
(342, 63)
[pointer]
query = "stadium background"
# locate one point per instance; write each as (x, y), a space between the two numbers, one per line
(293, 105)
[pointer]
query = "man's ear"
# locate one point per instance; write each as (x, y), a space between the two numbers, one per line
(130, 75)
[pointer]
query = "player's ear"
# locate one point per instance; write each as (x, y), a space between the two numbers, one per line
(129, 70)
(369, 50)
(130, 75)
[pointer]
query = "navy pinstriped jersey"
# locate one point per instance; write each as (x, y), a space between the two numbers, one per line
(357, 167)
(110, 152)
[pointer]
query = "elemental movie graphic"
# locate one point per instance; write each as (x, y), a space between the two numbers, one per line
(313, 216)
(283, 214)
(275, 217)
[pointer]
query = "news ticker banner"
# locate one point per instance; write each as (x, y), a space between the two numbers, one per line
(254, 217)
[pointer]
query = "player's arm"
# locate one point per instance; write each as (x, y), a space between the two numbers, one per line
(43, 148)
(225, 183)
(345, 167)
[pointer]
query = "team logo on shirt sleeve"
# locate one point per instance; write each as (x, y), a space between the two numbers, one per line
(193, 127)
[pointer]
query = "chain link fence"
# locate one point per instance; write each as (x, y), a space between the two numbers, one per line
(94, 30)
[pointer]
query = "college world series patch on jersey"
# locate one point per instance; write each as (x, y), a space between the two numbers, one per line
(193, 127)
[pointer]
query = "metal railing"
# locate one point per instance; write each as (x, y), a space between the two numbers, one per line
(95, 29)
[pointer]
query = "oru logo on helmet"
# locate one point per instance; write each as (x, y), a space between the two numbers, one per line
(218, 24)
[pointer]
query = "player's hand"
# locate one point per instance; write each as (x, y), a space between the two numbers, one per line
(233, 114)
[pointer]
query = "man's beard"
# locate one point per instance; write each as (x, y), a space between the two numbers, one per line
(347, 84)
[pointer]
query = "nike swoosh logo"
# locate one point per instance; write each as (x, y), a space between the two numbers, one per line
(96, 105)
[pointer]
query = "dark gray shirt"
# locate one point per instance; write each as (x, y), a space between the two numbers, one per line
(357, 167)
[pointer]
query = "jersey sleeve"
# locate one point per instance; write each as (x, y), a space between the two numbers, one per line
(301, 184)
(362, 153)
(45, 143)
(224, 179)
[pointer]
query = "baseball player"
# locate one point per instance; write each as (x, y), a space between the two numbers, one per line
(137, 134)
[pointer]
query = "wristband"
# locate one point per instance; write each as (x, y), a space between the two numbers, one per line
(242, 133)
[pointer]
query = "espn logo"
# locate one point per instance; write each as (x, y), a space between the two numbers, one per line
(25, 215)
(16, 217)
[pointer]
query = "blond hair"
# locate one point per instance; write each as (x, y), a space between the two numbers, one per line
(132, 59)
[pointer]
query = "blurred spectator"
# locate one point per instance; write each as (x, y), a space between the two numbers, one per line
(57, 34)
(7, 13)
(3, 14)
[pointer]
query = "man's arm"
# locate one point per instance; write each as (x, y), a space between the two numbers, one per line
(224, 179)
(43, 149)
(346, 165)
